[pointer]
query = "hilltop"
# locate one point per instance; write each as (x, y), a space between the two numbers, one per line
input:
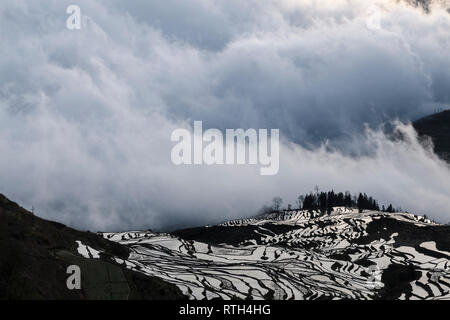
(35, 254)
(437, 127)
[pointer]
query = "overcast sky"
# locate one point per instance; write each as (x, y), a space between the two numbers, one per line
(86, 115)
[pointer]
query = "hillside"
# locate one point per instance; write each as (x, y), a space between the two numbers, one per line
(35, 253)
(437, 127)
(301, 255)
(295, 254)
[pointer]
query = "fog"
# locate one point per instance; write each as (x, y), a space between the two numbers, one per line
(86, 115)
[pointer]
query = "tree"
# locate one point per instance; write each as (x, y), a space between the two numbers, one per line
(300, 200)
(276, 203)
(360, 202)
(308, 203)
(323, 202)
(317, 189)
(348, 200)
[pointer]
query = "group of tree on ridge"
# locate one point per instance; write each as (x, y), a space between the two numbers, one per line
(325, 201)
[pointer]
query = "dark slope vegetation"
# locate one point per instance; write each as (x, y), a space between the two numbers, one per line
(437, 127)
(35, 253)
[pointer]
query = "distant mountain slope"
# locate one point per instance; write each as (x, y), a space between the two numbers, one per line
(301, 255)
(437, 127)
(296, 254)
(35, 253)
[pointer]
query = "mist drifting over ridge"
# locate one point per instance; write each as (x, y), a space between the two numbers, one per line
(86, 116)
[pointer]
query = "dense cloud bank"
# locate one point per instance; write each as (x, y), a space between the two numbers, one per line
(86, 115)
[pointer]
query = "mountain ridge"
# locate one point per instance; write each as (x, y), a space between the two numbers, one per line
(437, 128)
(35, 254)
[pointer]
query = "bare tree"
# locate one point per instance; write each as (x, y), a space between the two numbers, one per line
(276, 203)
(300, 200)
(317, 189)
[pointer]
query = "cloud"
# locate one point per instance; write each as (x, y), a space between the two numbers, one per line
(86, 115)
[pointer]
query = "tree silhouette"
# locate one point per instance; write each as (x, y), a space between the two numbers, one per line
(276, 203)
(326, 201)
